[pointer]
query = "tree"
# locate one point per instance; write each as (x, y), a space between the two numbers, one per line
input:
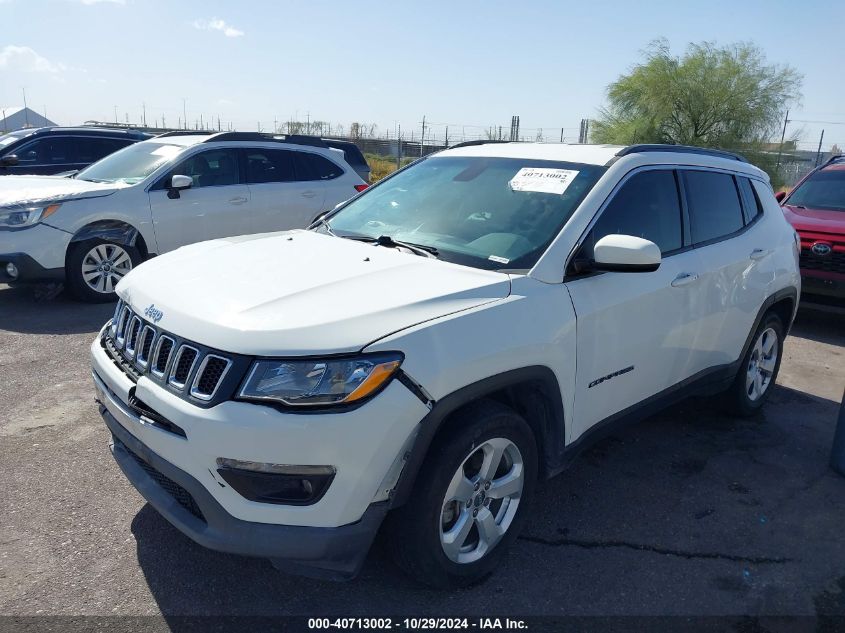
(834, 151)
(712, 97)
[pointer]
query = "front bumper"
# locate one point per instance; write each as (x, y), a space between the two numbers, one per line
(335, 553)
(830, 285)
(38, 252)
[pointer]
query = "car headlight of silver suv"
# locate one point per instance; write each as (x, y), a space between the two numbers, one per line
(320, 382)
(26, 216)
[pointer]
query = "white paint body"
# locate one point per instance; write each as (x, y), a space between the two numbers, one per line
(199, 214)
(306, 294)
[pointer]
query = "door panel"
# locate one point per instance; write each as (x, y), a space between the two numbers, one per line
(635, 329)
(215, 206)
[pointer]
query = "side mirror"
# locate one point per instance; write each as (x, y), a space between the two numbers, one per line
(9, 161)
(177, 183)
(780, 195)
(626, 253)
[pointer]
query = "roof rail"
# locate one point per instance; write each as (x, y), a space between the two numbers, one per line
(297, 139)
(186, 133)
(680, 149)
(833, 159)
(474, 143)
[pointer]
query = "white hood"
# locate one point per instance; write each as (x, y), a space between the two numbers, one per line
(26, 190)
(299, 292)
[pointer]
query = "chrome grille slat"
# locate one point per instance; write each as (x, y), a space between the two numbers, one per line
(178, 373)
(209, 376)
(139, 347)
(164, 347)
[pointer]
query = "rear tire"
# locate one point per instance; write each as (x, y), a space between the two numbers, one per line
(470, 498)
(759, 368)
(94, 267)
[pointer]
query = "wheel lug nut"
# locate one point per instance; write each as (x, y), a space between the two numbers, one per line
(475, 513)
(487, 485)
(477, 485)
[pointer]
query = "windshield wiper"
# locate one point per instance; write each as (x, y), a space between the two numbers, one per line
(389, 242)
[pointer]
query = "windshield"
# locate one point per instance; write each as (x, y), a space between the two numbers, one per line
(823, 190)
(492, 213)
(131, 164)
(8, 139)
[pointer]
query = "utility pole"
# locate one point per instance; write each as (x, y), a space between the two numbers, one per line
(144, 113)
(25, 110)
(782, 137)
(184, 113)
(561, 135)
(115, 114)
(422, 138)
(447, 136)
(399, 146)
(819, 150)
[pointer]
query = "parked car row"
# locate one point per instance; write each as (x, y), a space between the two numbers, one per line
(156, 195)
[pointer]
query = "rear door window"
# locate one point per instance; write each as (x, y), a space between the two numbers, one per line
(314, 167)
(269, 165)
(714, 207)
(56, 150)
(214, 168)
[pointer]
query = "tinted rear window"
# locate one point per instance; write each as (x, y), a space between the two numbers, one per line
(314, 167)
(714, 206)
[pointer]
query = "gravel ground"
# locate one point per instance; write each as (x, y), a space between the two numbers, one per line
(690, 512)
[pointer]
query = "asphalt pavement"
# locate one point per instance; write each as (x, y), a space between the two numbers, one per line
(688, 513)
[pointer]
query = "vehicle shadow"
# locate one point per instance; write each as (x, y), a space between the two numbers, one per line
(680, 509)
(819, 326)
(22, 311)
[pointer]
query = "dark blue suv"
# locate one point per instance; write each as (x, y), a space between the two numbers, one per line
(53, 150)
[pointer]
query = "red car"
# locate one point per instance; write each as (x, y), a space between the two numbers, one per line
(816, 209)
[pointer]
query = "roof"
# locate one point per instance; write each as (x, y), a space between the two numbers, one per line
(573, 153)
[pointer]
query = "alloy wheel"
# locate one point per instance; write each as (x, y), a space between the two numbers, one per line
(481, 500)
(761, 364)
(103, 266)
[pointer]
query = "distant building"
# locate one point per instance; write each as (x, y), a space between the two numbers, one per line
(16, 118)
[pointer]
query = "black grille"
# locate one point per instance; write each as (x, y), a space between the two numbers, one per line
(146, 344)
(139, 348)
(182, 496)
(184, 363)
(215, 367)
(832, 263)
(163, 356)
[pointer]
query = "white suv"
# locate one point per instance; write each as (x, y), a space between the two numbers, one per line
(157, 195)
(430, 348)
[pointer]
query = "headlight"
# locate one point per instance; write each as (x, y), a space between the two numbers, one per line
(322, 381)
(26, 216)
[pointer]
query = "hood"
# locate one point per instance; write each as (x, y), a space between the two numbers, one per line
(25, 190)
(300, 292)
(817, 220)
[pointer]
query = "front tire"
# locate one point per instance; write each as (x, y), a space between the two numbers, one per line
(759, 368)
(469, 500)
(94, 267)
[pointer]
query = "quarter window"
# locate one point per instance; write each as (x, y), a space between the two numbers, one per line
(714, 206)
(271, 165)
(646, 206)
(751, 205)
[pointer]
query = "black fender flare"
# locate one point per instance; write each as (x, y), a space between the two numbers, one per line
(552, 428)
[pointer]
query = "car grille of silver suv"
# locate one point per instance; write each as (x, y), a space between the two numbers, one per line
(140, 348)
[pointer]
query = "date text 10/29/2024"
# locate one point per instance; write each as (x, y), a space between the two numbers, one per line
(417, 624)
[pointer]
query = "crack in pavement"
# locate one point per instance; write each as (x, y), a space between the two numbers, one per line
(756, 560)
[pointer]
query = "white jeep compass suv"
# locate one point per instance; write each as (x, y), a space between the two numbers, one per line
(430, 348)
(154, 196)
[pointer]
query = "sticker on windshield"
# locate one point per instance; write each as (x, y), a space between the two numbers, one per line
(543, 179)
(500, 260)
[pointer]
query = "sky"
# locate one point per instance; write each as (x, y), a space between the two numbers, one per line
(468, 64)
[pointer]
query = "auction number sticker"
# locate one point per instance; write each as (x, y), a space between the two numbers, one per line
(543, 179)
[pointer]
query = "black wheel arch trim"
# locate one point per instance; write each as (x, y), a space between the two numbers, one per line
(552, 426)
(115, 230)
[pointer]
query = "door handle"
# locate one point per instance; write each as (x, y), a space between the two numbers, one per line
(238, 200)
(309, 194)
(759, 253)
(683, 279)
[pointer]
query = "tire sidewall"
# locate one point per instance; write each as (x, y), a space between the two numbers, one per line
(445, 458)
(73, 269)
